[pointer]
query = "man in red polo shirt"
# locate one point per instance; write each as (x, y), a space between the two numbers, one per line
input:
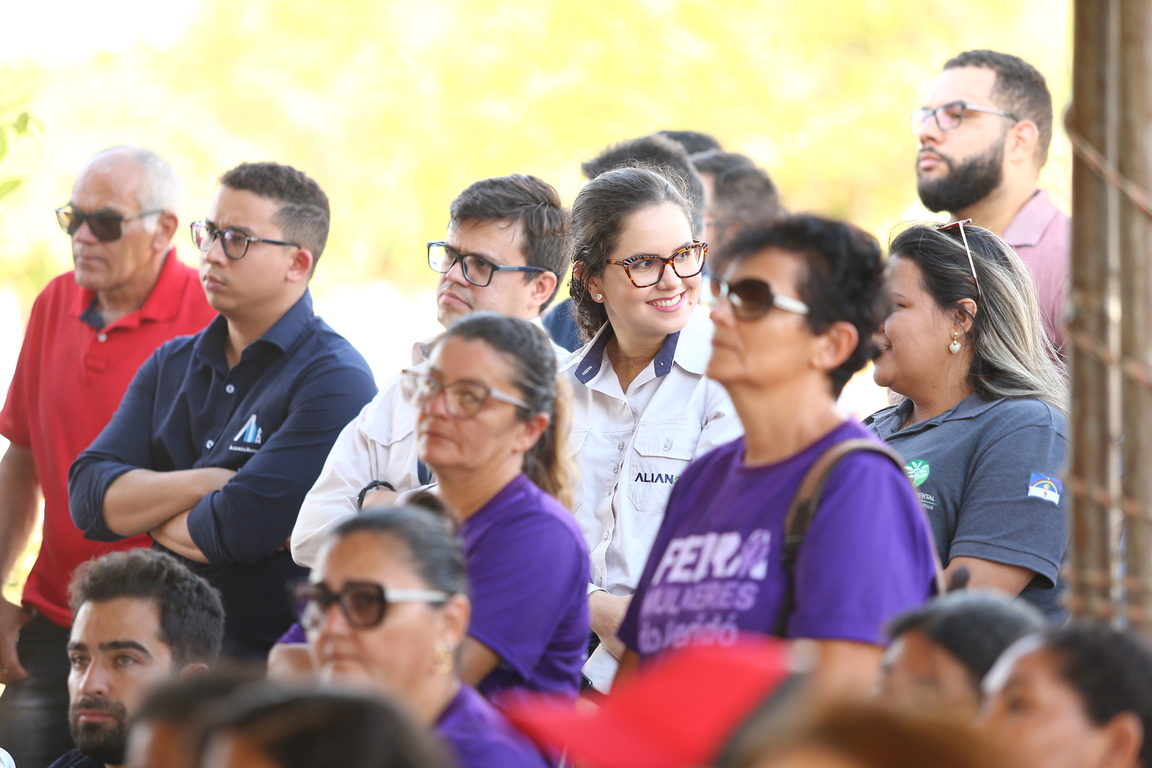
(89, 331)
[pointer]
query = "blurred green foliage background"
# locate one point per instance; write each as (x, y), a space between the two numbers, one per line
(396, 106)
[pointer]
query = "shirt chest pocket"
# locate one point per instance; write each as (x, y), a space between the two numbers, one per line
(660, 452)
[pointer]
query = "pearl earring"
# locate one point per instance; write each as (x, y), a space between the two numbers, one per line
(599, 297)
(954, 347)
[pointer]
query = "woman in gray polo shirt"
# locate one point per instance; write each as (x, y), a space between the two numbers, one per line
(982, 426)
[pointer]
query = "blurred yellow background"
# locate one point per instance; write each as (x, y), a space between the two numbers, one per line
(394, 107)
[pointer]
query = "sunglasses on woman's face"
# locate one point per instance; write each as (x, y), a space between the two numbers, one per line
(364, 604)
(751, 298)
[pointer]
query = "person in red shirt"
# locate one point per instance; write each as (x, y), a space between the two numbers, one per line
(89, 331)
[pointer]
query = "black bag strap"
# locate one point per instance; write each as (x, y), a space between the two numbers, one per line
(803, 509)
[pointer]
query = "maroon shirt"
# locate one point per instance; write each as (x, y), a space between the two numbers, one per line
(1041, 234)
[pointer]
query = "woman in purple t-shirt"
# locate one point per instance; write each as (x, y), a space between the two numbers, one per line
(387, 605)
(796, 310)
(487, 423)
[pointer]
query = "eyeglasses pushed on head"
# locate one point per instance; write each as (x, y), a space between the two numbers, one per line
(964, 239)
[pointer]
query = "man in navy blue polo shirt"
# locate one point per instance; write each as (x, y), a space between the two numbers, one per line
(221, 434)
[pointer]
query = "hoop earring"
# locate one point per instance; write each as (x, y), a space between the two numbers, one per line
(445, 661)
(954, 347)
(599, 297)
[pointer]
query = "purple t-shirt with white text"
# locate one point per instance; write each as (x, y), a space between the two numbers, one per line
(715, 569)
(529, 570)
(479, 737)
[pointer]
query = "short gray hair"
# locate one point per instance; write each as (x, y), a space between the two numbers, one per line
(160, 187)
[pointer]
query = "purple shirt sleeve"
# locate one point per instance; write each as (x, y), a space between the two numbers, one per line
(294, 636)
(524, 588)
(865, 559)
(479, 737)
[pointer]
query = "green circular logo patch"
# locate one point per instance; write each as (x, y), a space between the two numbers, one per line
(917, 470)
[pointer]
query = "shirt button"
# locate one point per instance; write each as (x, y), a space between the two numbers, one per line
(229, 389)
(599, 582)
(616, 469)
(667, 444)
(210, 443)
(606, 535)
(102, 337)
(621, 446)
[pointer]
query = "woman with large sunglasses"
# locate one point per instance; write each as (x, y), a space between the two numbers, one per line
(489, 424)
(982, 424)
(797, 308)
(387, 607)
(643, 408)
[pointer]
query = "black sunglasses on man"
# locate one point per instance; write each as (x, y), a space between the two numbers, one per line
(106, 227)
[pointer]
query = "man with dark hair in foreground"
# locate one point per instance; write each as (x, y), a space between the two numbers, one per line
(941, 651)
(141, 618)
(221, 434)
(984, 130)
(1077, 696)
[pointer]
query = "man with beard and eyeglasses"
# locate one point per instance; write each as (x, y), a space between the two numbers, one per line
(140, 618)
(984, 130)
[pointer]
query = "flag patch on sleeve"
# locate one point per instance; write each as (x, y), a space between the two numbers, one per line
(1044, 487)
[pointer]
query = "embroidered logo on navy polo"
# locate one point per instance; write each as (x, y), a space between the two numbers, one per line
(250, 434)
(1044, 487)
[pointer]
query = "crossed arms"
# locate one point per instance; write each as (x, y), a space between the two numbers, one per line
(134, 479)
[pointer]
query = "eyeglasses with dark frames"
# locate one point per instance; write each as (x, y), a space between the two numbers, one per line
(463, 399)
(106, 227)
(364, 604)
(964, 239)
(751, 298)
(949, 116)
(234, 242)
(643, 271)
(476, 269)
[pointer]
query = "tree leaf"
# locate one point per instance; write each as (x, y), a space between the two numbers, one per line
(3, 142)
(8, 187)
(21, 124)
